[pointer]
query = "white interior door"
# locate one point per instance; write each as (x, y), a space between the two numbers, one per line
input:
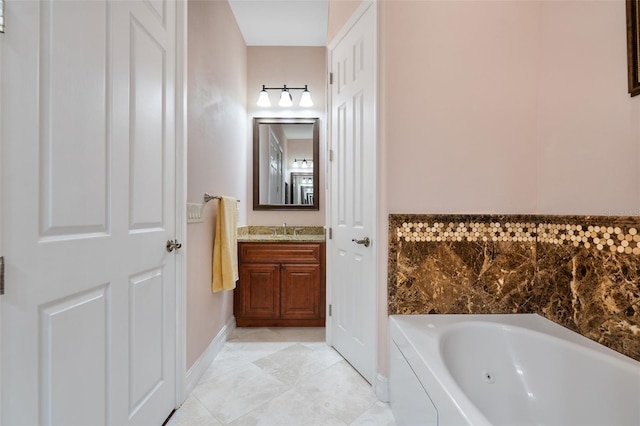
(352, 264)
(88, 174)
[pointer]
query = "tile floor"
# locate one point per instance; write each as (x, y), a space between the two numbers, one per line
(281, 376)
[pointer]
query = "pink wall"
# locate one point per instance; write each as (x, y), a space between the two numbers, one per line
(589, 128)
(460, 106)
(520, 107)
(217, 155)
(339, 13)
(295, 67)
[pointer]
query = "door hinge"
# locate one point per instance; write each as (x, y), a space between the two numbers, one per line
(1, 274)
(330, 78)
(330, 233)
(330, 310)
(2, 15)
(330, 155)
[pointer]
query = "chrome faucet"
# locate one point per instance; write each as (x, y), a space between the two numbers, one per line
(284, 228)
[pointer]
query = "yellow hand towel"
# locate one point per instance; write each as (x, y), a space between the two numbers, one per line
(225, 248)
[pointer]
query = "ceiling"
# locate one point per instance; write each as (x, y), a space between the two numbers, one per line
(297, 131)
(282, 22)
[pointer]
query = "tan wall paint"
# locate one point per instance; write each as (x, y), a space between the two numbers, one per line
(295, 67)
(589, 127)
(339, 12)
(217, 155)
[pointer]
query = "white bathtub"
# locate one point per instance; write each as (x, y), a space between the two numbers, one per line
(506, 370)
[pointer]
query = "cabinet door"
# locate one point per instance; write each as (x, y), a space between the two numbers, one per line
(259, 295)
(300, 292)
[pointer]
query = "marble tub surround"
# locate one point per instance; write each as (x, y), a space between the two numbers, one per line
(582, 272)
(266, 233)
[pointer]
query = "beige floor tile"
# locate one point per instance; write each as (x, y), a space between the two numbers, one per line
(300, 334)
(281, 376)
(378, 415)
(193, 413)
(289, 409)
(251, 351)
(238, 392)
(226, 361)
(297, 362)
(340, 390)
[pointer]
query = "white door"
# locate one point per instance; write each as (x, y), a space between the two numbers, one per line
(352, 264)
(88, 173)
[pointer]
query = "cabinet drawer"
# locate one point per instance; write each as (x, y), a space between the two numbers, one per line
(279, 253)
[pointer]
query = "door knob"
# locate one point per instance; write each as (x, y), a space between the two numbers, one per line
(173, 245)
(365, 242)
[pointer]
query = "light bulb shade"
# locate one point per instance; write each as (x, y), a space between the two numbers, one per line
(263, 99)
(304, 164)
(305, 100)
(285, 99)
(295, 163)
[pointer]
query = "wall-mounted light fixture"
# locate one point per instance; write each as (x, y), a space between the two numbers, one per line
(285, 96)
(304, 163)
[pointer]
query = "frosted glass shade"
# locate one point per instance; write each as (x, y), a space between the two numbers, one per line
(305, 100)
(285, 99)
(263, 99)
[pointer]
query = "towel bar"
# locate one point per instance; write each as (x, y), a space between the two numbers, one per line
(208, 197)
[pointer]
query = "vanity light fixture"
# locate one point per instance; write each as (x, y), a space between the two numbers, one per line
(285, 96)
(304, 163)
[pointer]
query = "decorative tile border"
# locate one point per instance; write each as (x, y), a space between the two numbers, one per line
(612, 238)
(466, 231)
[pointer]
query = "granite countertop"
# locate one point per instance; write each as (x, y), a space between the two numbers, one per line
(264, 234)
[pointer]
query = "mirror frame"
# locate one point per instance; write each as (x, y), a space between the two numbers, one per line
(257, 121)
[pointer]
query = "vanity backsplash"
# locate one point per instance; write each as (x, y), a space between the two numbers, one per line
(281, 233)
(582, 272)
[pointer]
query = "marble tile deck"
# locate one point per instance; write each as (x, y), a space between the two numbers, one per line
(281, 376)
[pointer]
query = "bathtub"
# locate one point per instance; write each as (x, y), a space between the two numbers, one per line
(519, 369)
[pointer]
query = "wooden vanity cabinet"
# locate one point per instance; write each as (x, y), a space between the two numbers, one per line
(281, 284)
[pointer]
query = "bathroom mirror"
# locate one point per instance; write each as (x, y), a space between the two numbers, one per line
(285, 163)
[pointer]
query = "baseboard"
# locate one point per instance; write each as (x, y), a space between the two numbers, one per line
(199, 367)
(381, 388)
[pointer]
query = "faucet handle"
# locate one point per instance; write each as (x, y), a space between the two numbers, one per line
(296, 230)
(274, 230)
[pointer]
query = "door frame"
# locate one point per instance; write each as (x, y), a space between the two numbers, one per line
(359, 12)
(181, 200)
(1, 206)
